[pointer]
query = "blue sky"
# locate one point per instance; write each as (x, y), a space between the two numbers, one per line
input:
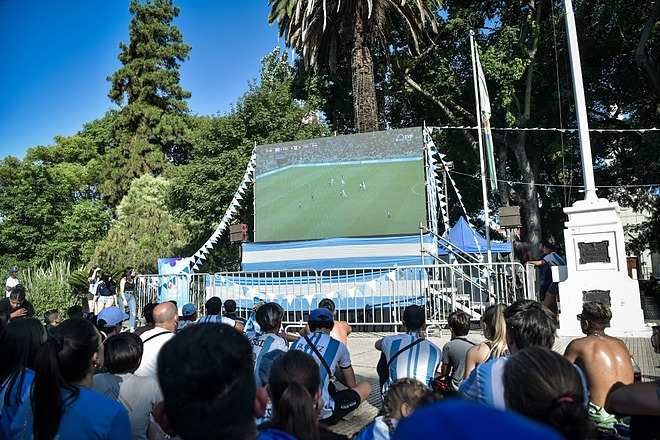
(57, 55)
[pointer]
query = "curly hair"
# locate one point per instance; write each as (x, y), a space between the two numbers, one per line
(409, 391)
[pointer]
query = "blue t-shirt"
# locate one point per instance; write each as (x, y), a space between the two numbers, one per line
(485, 384)
(89, 416)
(274, 434)
(16, 398)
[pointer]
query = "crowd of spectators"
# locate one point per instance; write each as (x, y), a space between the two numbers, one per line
(91, 377)
(370, 146)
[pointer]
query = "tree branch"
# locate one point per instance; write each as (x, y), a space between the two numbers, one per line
(644, 59)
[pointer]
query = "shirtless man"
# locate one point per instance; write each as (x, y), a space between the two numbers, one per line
(605, 360)
(340, 330)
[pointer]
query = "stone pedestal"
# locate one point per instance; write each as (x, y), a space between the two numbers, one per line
(597, 271)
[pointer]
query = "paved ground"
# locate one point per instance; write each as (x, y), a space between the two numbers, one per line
(365, 357)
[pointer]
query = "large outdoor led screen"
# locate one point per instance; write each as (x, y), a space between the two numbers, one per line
(361, 185)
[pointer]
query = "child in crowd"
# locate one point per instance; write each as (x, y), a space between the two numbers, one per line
(454, 352)
(403, 397)
(493, 327)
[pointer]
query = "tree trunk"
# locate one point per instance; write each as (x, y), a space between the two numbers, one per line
(529, 203)
(644, 59)
(365, 107)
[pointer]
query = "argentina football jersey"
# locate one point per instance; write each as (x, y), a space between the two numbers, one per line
(263, 344)
(420, 361)
(335, 355)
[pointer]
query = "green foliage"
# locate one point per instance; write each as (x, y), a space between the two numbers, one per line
(201, 190)
(48, 287)
(143, 231)
(150, 129)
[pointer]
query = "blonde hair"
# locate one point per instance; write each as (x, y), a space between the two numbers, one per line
(410, 391)
(494, 328)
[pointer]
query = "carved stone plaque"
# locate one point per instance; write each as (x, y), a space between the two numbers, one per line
(601, 296)
(594, 252)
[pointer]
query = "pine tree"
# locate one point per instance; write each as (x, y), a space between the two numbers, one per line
(150, 129)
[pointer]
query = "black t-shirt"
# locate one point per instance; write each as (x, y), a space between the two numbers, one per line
(5, 307)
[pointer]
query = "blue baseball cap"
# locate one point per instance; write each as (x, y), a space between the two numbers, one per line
(112, 316)
(189, 309)
(13, 270)
(454, 418)
(321, 315)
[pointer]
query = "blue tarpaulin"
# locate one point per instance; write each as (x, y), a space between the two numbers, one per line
(467, 239)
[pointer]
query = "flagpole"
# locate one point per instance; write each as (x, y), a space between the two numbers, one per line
(484, 190)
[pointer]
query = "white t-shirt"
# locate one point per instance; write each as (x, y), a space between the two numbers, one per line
(11, 283)
(139, 395)
(151, 349)
(335, 354)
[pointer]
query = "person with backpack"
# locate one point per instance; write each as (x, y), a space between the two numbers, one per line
(410, 354)
(333, 360)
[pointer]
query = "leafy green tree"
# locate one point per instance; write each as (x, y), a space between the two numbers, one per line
(150, 129)
(78, 232)
(144, 230)
(321, 30)
(268, 113)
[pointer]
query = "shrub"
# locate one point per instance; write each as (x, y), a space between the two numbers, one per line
(48, 287)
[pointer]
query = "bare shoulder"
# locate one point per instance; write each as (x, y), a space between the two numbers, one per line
(578, 345)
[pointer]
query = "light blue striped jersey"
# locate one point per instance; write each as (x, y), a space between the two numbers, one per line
(216, 319)
(419, 362)
(376, 430)
(335, 354)
(485, 384)
(263, 344)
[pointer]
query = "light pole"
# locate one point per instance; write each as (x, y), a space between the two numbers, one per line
(580, 105)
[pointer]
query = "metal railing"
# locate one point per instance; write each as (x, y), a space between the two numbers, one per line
(368, 297)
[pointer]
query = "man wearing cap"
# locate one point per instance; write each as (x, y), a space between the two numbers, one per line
(410, 354)
(110, 320)
(549, 290)
(329, 354)
(188, 316)
(12, 281)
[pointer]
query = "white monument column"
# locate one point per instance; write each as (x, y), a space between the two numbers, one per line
(596, 266)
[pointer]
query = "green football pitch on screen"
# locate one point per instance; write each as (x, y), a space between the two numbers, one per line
(352, 199)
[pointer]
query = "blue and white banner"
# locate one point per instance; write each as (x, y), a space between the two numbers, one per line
(345, 253)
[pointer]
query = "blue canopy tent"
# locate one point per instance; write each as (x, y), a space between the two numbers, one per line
(468, 240)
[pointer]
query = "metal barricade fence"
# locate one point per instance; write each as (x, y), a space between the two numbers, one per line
(368, 298)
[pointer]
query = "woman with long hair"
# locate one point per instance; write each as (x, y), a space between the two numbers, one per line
(19, 344)
(62, 404)
(543, 386)
(293, 386)
(493, 327)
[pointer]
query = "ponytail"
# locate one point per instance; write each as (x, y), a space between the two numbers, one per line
(61, 362)
(47, 405)
(494, 326)
(296, 412)
(293, 383)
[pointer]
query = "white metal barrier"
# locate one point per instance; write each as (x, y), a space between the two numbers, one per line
(369, 297)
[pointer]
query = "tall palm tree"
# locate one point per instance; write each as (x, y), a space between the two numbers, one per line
(317, 28)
